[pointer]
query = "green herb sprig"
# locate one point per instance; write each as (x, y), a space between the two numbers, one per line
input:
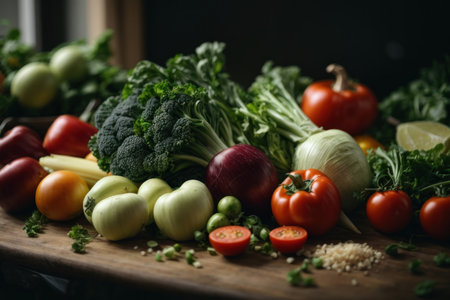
(33, 225)
(81, 237)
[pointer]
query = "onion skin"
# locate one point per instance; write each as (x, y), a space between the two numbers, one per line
(245, 172)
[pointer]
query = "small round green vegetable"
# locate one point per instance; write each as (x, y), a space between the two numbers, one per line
(69, 63)
(217, 220)
(34, 85)
(230, 206)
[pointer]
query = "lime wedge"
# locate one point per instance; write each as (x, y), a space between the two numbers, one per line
(422, 135)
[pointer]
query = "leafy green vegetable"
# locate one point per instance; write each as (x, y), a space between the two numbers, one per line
(169, 122)
(271, 116)
(425, 98)
(399, 169)
(33, 225)
(81, 237)
(102, 79)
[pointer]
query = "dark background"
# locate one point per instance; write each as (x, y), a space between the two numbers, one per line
(383, 44)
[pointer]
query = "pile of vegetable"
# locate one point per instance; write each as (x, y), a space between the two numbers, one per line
(61, 81)
(184, 150)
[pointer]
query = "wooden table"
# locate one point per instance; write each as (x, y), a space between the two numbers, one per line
(249, 276)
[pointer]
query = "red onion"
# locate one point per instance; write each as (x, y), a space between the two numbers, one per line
(245, 172)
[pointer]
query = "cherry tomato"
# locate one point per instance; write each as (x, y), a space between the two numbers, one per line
(230, 240)
(435, 217)
(311, 201)
(389, 211)
(367, 142)
(60, 195)
(288, 239)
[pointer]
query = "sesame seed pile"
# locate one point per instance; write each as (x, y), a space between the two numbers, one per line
(347, 257)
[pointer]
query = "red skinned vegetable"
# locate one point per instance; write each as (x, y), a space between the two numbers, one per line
(18, 142)
(307, 198)
(68, 135)
(435, 217)
(245, 172)
(288, 239)
(230, 240)
(389, 211)
(18, 182)
(341, 104)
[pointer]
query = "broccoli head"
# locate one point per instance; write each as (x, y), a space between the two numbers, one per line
(129, 158)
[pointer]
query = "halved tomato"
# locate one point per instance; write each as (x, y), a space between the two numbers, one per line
(288, 239)
(230, 240)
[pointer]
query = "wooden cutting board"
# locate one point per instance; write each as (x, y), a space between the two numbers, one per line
(249, 276)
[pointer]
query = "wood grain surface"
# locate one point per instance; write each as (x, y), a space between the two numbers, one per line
(249, 276)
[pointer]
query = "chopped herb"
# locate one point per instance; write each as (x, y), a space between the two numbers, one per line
(392, 249)
(81, 237)
(152, 244)
(308, 281)
(414, 266)
(294, 277)
(33, 225)
(177, 247)
(317, 262)
(89, 206)
(169, 252)
(304, 266)
(190, 256)
(442, 260)
(425, 288)
(211, 251)
(158, 256)
(264, 234)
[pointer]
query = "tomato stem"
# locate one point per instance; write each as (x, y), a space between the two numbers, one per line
(298, 184)
(342, 82)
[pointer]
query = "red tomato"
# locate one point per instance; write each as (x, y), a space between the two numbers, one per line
(68, 135)
(316, 206)
(288, 239)
(435, 217)
(389, 211)
(351, 107)
(60, 195)
(230, 240)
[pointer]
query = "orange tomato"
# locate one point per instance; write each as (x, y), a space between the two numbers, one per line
(60, 195)
(367, 142)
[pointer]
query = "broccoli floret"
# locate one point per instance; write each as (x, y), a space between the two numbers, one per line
(129, 159)
(167, 126)
(105, 110)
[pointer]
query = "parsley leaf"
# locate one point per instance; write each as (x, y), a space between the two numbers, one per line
(81, 237)
(33, 225)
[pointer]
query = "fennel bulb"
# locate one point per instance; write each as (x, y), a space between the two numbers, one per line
(336, 154)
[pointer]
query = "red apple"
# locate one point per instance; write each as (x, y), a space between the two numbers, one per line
(18, 182)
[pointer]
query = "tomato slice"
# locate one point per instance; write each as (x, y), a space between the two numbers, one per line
(288, 239)
(230, 240)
